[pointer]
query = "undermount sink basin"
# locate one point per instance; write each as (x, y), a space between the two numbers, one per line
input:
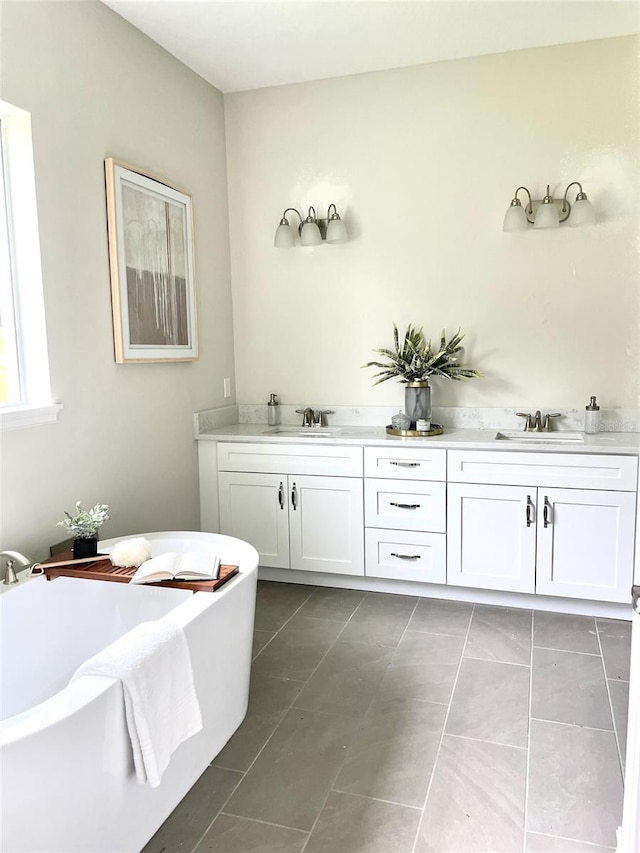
(540, 437)
(298, 432)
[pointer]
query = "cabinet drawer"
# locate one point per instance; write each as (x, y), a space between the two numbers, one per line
(405, 505)
(407, 556)
(408, 463)
(290, 459)
(565, 470)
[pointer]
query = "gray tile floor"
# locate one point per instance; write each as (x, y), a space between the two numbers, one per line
(391, 724)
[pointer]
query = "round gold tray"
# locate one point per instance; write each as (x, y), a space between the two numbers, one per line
(436, 429)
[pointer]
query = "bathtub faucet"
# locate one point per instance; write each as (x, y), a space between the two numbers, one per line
(13, 557)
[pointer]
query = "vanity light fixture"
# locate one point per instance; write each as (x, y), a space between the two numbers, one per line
(548, 212)
(312, 230)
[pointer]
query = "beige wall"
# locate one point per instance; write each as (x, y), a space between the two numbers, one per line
(424, 162)
(96, 87)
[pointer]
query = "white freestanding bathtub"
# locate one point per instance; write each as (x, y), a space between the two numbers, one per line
(67, 778)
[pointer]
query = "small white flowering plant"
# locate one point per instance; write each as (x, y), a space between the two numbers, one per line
(85, 523)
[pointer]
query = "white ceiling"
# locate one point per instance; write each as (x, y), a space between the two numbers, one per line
(249, 44)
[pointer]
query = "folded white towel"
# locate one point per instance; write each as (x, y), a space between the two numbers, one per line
(154, 665)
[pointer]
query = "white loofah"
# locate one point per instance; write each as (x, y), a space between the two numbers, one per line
(131, 552)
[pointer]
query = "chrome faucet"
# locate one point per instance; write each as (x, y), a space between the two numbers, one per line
(12, 558)
(538, 423)
(546, 426)
(311, 418)
(528, 424)
(307, 416)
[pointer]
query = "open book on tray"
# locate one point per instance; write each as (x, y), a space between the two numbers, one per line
(192, 566)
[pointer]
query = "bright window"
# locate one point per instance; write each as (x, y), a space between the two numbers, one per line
(25, 392)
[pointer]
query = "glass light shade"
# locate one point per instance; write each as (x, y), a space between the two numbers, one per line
(310, 235)
(547, 216)
(582, 213)
(336, 231)
(284, 238)
(515, 219)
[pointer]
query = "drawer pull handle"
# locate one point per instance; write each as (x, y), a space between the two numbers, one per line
(281, 496)
(530, 511)
(546, 512)
(406, 464)
(406, 556)
(405, 506)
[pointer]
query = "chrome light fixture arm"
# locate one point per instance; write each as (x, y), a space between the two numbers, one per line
(285, 221)
(515, 201)
(581, 196)
(311, 217)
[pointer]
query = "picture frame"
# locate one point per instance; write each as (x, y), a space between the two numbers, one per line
(151, 258)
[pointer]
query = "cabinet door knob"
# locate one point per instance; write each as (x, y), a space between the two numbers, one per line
(294, 497)
(281, 496)
(546, 512)
(530, 508)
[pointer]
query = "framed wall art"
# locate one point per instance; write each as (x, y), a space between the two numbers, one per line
(152, 267)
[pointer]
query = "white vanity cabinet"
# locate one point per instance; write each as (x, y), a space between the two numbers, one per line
(301, 507)
(507, 523)
(405, 513)
(563, 524)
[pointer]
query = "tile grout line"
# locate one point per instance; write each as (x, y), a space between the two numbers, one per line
(264, 822)
(444, 726)
(235, 788)
(244, 772)
(493, 660)
(286, 622)
(573, 725)
(284, 714)
(613, 717)
(337, 774)
(525, 816)
(332, 713)
(376, 799)
(432, 633)
(484, 740)
(567, 651)
(566, 838)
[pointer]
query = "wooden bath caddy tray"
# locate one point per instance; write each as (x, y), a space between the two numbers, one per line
(100, 568)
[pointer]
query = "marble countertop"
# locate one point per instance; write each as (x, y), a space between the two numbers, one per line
(458, 439)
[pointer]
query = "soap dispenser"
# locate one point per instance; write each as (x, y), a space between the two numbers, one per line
(591, 417)
(273, 410)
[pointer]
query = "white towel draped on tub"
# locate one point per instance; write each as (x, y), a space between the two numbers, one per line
(154, 665)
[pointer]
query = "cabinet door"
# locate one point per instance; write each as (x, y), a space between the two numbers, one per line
(491, 537)
(326, 524)
(253, 507)
(585, 543)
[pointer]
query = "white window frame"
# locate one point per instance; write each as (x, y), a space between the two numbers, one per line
(35, 405)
